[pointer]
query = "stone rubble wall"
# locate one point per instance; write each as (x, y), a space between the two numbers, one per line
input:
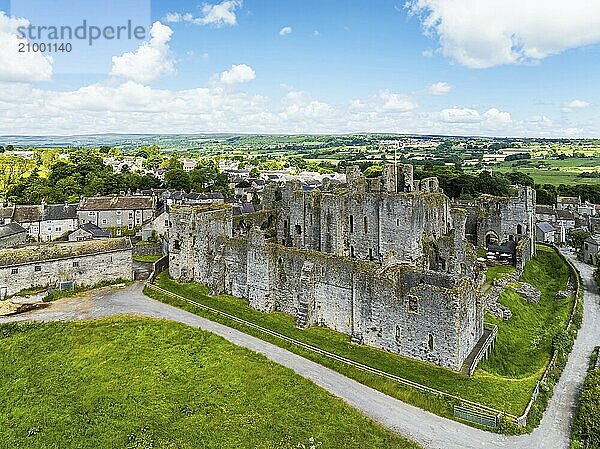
(148, 249)
(90, 269)
(431, 316)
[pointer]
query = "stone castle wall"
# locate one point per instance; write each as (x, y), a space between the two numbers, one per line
(505, 219)
(423, 314)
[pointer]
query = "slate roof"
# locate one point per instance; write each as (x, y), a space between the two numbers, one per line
(116, 203)
(565, 215)
(204, 196)
(11, 229)
(95, 231)
(243, 208)
(509, 247)
(60, 212)
(544, 226)
(27, 214)
(546, 210)
(591, 240)
(7, 212)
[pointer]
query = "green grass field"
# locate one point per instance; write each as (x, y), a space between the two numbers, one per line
(497, 271)
(140, 383)
(147, 259)
(524, 342)
(554, 171)
(499, 383)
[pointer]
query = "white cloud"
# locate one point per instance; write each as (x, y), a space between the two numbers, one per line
(132, 107)
(218, 15)
(496, 119)
(395, 102)
(541, 120)
(575, 105)
(20, 67)
(440, 88)
(285, 31)
(573, 132)
(150, 61)
(427, 53)
(481, 34)
(316, 33)
(460, 115)
(240, 73)
(357, 104)
(493, 118)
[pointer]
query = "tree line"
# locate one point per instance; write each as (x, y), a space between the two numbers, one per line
(85, 174)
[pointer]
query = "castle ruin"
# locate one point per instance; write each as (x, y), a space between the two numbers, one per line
(384, 260)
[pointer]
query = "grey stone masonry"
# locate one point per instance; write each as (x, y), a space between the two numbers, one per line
(86, 262)
(385, 261)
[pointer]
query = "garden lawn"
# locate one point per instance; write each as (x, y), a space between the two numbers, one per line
(142, 383)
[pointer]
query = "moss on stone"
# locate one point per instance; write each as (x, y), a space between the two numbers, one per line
(52, 251)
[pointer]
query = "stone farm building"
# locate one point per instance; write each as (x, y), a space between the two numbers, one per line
(85, 263)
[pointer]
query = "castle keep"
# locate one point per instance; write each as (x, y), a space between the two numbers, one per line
(384, 260)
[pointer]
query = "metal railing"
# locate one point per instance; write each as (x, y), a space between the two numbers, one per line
(483, 351)
(473, 416)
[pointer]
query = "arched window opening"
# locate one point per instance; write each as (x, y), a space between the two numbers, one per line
(413, 304)
(430, 342)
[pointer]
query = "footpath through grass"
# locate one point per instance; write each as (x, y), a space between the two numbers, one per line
(142, 383)
(504, 382)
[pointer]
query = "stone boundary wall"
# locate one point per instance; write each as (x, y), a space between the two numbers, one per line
(149, 249)
(88, 269)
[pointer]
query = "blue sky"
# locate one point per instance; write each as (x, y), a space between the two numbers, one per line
(503, 68)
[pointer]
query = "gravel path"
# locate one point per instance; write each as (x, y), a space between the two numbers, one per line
(429, 430)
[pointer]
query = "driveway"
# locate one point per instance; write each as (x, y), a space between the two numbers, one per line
(429, 430)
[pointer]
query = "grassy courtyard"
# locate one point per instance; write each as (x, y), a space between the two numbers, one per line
(139, 383)
(525, 341)
(504, 382)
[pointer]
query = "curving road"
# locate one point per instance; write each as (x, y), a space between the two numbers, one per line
(429, 430)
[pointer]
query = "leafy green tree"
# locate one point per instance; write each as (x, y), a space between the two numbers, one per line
(373, 171)
(177, 179)
(173, 163)
(520, 178)
(578, 237)
(148, 182)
